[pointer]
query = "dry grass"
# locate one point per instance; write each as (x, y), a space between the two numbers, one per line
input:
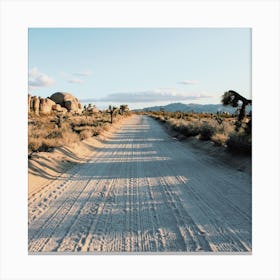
(187, 128)
(45, 136)
(219, 139)
(50, 131)
(219, 129)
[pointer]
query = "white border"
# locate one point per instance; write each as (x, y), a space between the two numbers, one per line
(262, 16)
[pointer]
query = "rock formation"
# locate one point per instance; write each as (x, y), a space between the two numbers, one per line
(29, 102)
(59, 102)
(36, 104)
(67, 101)
(46, 105)
(59, 109)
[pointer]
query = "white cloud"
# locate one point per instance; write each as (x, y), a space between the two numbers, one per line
(37, 79)
(75, 81)
(82, 74)
(74, 78)
(189, 82)
(149, 96)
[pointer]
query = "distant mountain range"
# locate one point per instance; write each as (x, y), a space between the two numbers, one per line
(196, 108)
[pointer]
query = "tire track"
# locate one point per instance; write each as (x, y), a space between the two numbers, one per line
(90, 212)
(218, 205)
(50, 192)
(142, 192)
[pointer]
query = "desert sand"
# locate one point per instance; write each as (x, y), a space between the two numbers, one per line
(137, 189)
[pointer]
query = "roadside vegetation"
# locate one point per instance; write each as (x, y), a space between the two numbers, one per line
(46, 132)
(232, 131)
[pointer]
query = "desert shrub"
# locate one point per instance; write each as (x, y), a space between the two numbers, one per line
(228, 127)
(44, 148)
(69, 137)
(186, 128)
(86, 133)
(54, 134)
(97, 131)
(106, 127)
(79, 129)
(206, 131)
(160, 118)
(239, 142)
(189, 130)
(42, 145)
(44, 133)
(192, 124)
(219, 139)
(42, 138)
(34, 145)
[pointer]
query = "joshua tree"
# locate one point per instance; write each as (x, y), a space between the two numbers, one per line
(218, 118)
(123, 108)
(112, 111)
(237, 101)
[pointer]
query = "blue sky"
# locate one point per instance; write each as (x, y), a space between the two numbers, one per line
(140, 66)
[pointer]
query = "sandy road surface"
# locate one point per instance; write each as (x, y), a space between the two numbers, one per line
(143, 192)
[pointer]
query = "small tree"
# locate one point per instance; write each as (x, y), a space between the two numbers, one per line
(112, 111)
(237, 101)
(123, 108)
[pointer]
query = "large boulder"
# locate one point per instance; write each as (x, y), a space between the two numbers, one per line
(57, 107)
(63, 111)
(67, 100)
(46, 105)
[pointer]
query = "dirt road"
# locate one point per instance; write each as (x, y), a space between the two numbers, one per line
(143, 191)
